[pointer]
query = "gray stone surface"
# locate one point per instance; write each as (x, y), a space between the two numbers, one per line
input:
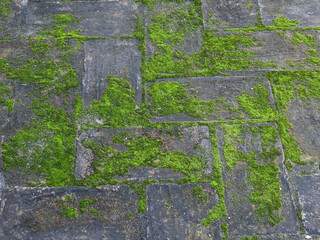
(305, 11)
(174, 213)
(103, 58)
(213, 88)
(278, 47)
(305, 120)
(35, 213)
(98, 18)
(308, 189)
(242, 219)
(219, 14)
(184, 140)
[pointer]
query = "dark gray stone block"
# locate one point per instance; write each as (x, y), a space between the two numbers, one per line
(103, 58)
(213, 88)
(186, 142)
(174, 213)
(242, 219)
(219, 14)
(308, 189)
(277, 47)
(35, 213)
(305, 11)
(305, 120)
(98, 18)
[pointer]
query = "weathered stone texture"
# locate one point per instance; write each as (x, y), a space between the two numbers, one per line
(174, 213)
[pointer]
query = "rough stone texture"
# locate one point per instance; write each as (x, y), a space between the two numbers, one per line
(34, 213)
(276, 48)
(186, 143)
(305, 120)
(242, 220)
(219, 14)
(306, 11)
(174, 213)
(14, 24)
(308, 189)
(102, 58)
(211, 88)
(98, 18)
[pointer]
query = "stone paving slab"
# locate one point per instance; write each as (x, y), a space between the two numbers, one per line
(103, 58)
(174, 213)
(242, 218)
(308, 189)
(35, 213)
(98, 18)
(180, 139)
(213, 88)
(305, 11)
(305, 120)
(278, 47)
(219, 14)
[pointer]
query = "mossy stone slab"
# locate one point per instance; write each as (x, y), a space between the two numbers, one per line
(279, 47)
(174, 212)
(181, 139)
(214, 88)
(103, 58)
(305, 119)
(242, 217)
(308, 189)
(307, 12)
(97, 18)
(35, 213)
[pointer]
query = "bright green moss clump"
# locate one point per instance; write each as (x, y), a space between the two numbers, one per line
(285, 22)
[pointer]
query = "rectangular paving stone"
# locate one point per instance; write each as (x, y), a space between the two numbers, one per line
(219, 14)
(278, 47)
(103, 58)
(192, 141)
(309, 198)
(37, 213)
(305, 120)
(224, 90)
(245, 180)
(173, 212)
(307, 12)
(97, 18)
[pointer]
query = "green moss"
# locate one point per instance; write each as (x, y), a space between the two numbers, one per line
(5, 9)
(69, 212)
(87, 202)
(249, 6)
(5, 94)
(64, 18)
(285, 22)
(117, 106)
(167, 98)
(257, 105)
(219, 211)
(224, 228)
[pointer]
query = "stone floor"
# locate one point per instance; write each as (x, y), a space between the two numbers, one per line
(124, 119)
